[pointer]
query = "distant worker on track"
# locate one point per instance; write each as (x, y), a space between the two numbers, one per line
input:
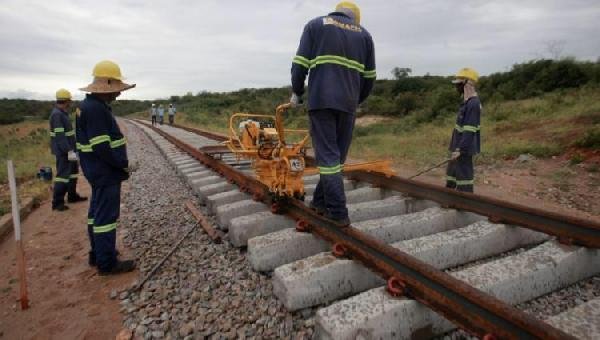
(62, 145)
(153, 113)
(339, 56)
(172, 111)
(161, 114)
(466, 140)
(105, 165)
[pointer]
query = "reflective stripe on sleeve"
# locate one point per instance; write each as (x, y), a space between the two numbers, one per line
(84, 147)
(99, 139)
(118, 142)
(370, 74)
(337, 60)
(302, 61)
(61, 180)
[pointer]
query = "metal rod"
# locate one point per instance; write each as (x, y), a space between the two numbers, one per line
(212, 233)
(162, 261)
(429, 169)
(19, 244)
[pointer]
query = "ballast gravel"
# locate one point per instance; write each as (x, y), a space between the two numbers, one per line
(204, 290)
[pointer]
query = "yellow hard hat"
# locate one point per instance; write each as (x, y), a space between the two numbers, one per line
(107, 69)
(63, 94)
(107, 79)
(466, 73)
(351, 6)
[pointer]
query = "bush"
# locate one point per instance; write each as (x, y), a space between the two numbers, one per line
(443, 101)
(7, 118)
(536, 77)
(406, 102)
(590, 140)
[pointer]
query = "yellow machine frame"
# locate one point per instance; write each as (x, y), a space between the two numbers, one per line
(278, 165)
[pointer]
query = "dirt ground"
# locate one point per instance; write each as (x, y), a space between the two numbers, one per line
(68, 300)
(549, 184)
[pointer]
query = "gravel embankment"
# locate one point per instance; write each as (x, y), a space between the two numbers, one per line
(204, 290)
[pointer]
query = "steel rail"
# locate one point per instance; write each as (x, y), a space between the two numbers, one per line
(212, 135)
(468, 307)
(567, 229)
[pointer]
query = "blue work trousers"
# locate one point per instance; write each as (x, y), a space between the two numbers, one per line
(65, 180)
(331, 132)
(460, 174)
(103, 216)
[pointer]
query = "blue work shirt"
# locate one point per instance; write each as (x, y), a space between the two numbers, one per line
(341, 59)
(101, 145)
(62, 135)
(466, 134)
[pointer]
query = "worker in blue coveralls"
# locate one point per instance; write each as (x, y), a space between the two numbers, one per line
(105, 165)
(62, 145)
(153, 112)
(466, 139)
(171, 112)
(338, 54)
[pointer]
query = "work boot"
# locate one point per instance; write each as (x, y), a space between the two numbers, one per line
(60, 207)
(76, 198)
(91, 259)
(119, 267)
(317, 209)
(341, 222)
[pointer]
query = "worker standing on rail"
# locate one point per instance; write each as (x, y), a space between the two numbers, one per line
(153, 114)
(172, 111)
(105, 165)
(339, 53)
(466, 140)
(161, 114)
(62, 145)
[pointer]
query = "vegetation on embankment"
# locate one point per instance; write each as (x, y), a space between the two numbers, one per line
(28, 145)
(543, 126)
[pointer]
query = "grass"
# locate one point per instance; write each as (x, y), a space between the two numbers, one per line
(544, 126)
(28, 145)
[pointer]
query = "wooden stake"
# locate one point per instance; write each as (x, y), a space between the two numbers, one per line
(17, 227)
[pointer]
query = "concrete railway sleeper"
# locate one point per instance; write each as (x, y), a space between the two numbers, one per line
(406, 240)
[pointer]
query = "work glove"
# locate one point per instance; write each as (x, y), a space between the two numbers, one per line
(454, 155)
(72, 156)
(295, 100)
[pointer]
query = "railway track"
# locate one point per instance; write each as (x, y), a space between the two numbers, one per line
(409, 234)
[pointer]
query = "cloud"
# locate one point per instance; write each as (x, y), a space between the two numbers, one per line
(172, 47)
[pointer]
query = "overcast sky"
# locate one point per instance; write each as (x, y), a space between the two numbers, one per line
(172, 47)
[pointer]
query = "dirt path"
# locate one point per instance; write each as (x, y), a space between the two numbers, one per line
(548, 184)
(68, 299)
